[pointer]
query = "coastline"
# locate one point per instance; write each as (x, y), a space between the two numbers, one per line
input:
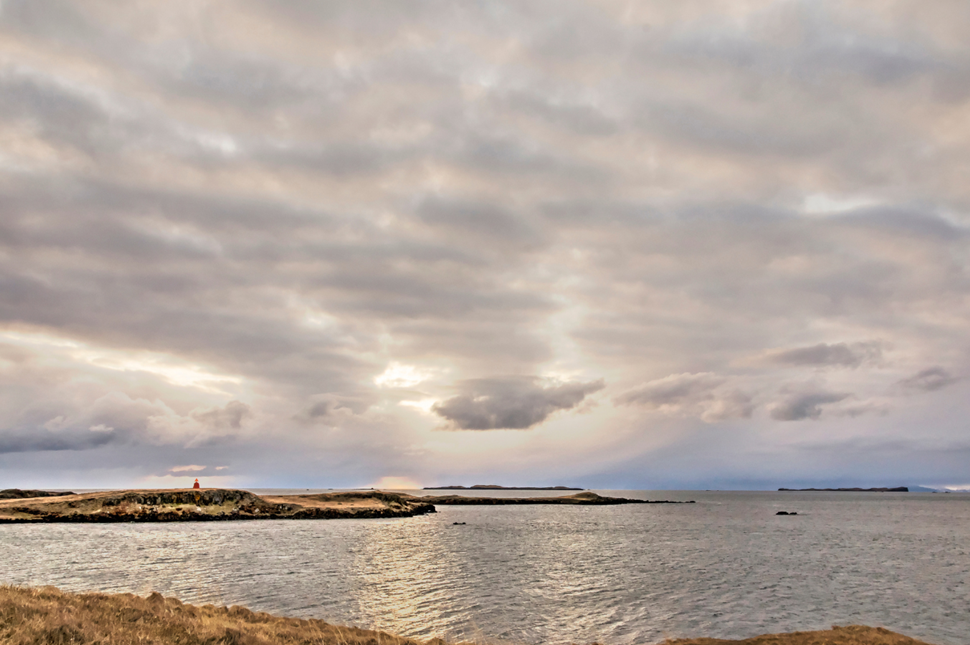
(49, 615)
(218, 504)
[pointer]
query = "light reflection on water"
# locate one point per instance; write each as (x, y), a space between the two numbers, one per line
(724, 567)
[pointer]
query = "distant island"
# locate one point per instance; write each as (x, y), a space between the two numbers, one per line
(497, 487)
(898, 489)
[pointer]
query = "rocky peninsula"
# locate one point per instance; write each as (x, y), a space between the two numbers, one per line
(207, 504)
(586, 499)
(497, 487)
(216, 504)
(48, 615)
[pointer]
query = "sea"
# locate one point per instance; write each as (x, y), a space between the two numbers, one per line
(725, 567)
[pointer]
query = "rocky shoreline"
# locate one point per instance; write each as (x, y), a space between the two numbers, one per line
(219, 505)
(206, 505)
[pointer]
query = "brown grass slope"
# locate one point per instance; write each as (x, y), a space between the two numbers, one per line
(48, 616)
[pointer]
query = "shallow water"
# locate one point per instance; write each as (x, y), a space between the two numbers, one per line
(725, 567)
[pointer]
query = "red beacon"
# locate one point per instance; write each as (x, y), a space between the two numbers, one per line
(196, 484)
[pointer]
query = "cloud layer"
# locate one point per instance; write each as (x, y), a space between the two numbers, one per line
(299, 241)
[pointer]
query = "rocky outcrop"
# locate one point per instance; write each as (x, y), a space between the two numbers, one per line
(16, 493)
(206, 505)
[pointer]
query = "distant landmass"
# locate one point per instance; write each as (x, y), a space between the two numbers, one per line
(16, 493)
(898, 489)
(497, 487)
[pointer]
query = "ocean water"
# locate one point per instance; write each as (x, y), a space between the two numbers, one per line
(725, 567)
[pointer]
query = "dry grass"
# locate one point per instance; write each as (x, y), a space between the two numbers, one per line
(47, 616)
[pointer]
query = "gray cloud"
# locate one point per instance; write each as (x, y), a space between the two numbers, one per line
(42, 440)
(514, 403)
(823, 355)
(217, 238)
(693, 394)
(929, 380)
(805, 405)
(228, 417)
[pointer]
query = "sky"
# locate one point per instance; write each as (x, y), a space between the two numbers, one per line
(647, 245)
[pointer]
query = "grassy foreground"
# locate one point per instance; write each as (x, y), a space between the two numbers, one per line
(47, 616)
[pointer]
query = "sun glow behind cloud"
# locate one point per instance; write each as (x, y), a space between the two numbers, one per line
(401, 375)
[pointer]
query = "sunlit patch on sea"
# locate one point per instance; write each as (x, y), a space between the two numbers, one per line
(724, 567)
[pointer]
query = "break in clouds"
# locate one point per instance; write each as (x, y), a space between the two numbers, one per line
(595, 243)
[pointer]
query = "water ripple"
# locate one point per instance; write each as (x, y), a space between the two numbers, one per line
(725, 567)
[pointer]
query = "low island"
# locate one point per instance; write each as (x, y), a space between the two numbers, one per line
(215, 504)
(897, 489)
(48, 615)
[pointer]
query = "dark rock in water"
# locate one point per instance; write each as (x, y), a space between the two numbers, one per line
(782, 513)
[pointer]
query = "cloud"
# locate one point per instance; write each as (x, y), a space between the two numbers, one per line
(928, 380)
(230, 417)
(699, 394)
(850, 355)
(282, 245)
(805, 405)
(514, 403)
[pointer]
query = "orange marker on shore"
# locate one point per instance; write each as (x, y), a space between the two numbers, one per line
(196, 484)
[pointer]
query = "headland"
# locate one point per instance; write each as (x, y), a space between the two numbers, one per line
(585, 499)
(207, 504)
(220, 504)
(497, 487)
(48, 615)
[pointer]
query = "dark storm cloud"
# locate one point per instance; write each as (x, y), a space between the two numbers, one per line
(514, 403)
(929, 380)
(805, 405)
(837, 354)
